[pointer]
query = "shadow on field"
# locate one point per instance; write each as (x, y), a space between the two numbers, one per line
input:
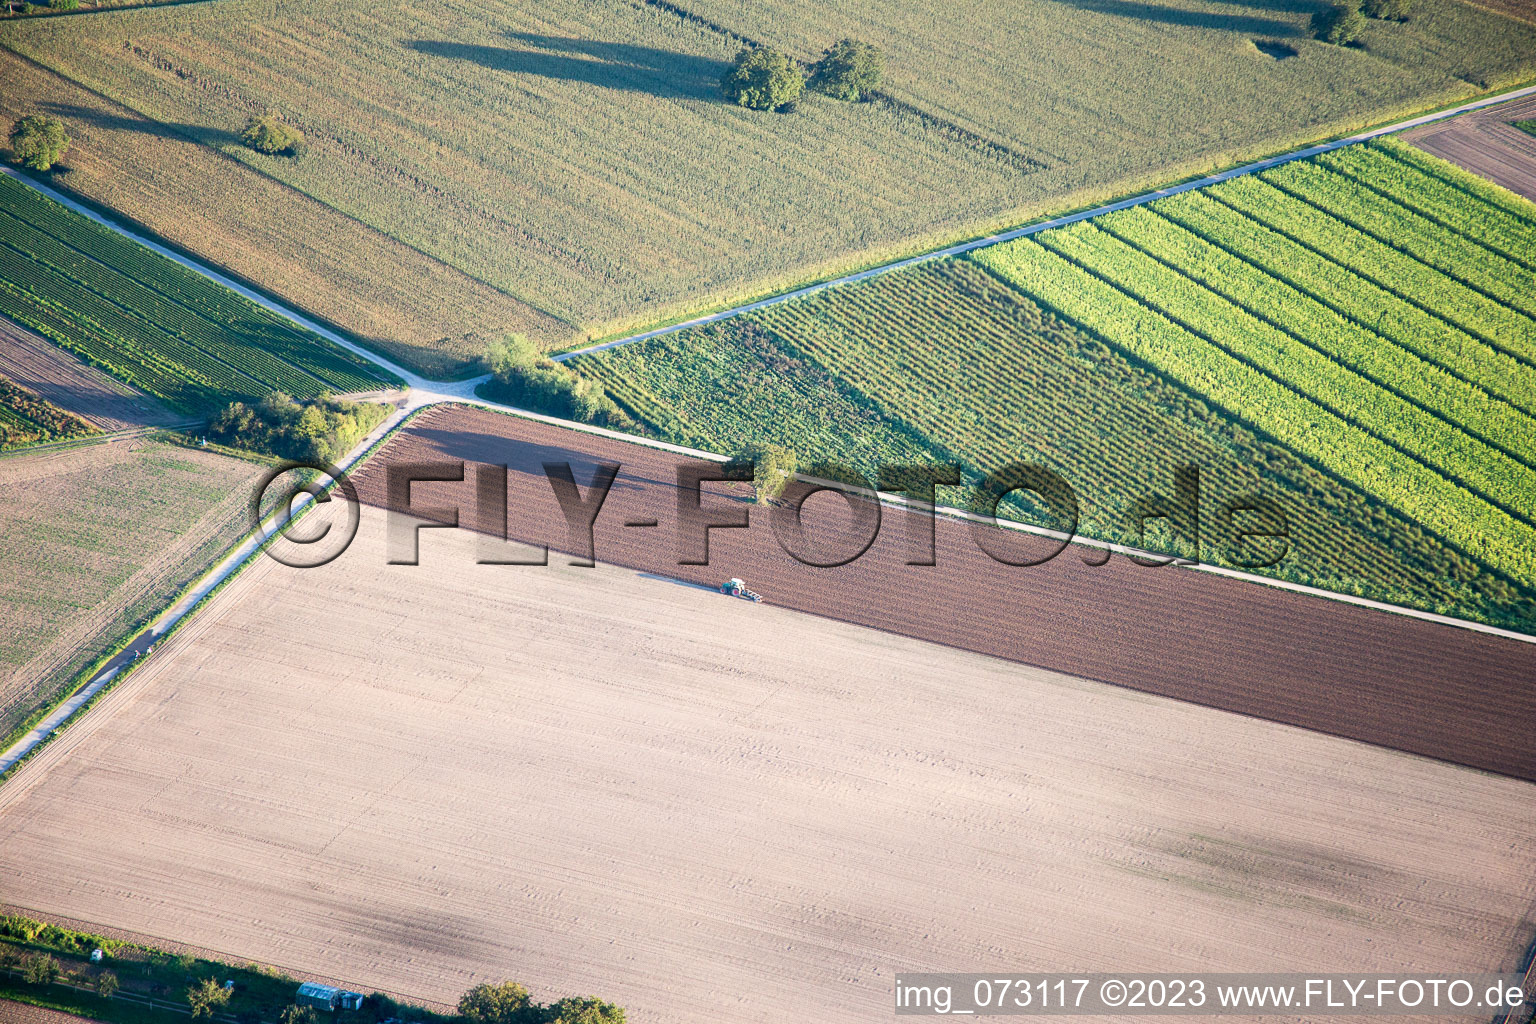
(1246, 24)
(159, 129)
(611, 65)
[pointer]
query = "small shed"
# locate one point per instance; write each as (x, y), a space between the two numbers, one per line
(321, 997)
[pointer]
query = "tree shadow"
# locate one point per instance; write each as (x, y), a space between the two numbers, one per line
(595, 62)
(158, 129)
(1243, 23)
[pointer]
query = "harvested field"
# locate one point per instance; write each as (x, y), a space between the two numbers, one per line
(419, 778)
(404, 303)
(48, 371)
(1486, 143)
(94, 540)
(577, 156)
(1350, 671)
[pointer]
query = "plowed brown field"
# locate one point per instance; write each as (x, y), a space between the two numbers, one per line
(1485, 142)
(1416, 686)
(420, 778)
(56, 376)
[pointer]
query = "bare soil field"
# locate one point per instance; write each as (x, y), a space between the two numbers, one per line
(1416, 686)
(96, 539)
(48, 371)
(1486, 143)
(591, 780)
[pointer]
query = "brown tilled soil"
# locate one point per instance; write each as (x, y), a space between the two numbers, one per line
(53, 374)
(594, 781)
(1486, 143)
(1404, 683)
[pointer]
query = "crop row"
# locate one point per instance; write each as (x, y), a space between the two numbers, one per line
(169, 294)
(972, 364)
(1306, 427)
(1484, 318)
(1460, 405)
(107, 338)
(1356, 299)
(1496, 227)
(101, 284)
(963, 364)
(64, 293)
(1464, 180)
(1391, 224)
(1304, 370)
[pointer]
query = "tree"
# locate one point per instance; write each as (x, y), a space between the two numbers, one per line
(206, 997)
(1340, 24)
(106, 984)
(763, 79)
(297, 1015)
(849, 70)
(269, 133)
(773, 469)
(38, 142)
(64, 5)
(507, 1003)
(590, 1010)
(40, 969)
(524, 376)
(1388, 10)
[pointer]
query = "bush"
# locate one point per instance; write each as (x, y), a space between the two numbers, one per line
(773, 469)
(1388, 10)
(507, 1003)
(64, 5)
(298, 1015)
(574, 1010)
(40, 969)
(317, 431)
(206, 997)
(763, 79)
(1339, 24)
(269, 133)
(525, 377)
(38, 142)
(849, 70)
(106, 984)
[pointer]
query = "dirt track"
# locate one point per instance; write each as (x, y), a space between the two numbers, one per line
(53, 374)
(1485, 143)
(1415, 686)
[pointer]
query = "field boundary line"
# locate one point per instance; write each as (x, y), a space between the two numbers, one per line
(1062, 221)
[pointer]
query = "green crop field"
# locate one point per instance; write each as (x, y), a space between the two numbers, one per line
(1348, 336)
(575, 156)
(150, 322)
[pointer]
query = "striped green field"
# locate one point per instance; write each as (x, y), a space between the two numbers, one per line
(151, 322)
(1353, 336)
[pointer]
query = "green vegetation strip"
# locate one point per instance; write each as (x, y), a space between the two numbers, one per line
(150, 321)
